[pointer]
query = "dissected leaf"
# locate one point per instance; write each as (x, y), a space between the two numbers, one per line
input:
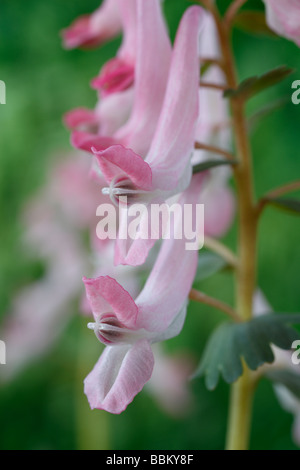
(288, 378)
(203, 166)
(254, 85)
(208, 265)
(290, 205)
(251, 341)
(253, 22)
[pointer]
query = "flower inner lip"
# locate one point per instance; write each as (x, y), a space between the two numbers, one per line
(107, 329)
(121, 186)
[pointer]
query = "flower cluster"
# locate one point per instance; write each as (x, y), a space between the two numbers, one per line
(158, 135)
(141, 138)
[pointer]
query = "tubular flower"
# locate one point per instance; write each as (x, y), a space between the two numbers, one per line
(167, 165)
(128, 327)
(109, 115)
(151, 75)
(118, 73)
(167, 169)
(89, 31)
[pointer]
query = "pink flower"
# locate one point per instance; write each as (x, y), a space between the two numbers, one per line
(219, 202)
(41, 310)
(118, 73)
(110, 114)
(167, 167)
(151, 74)
(283, 17)
(91, 30)
(128, 327)
(114, 83)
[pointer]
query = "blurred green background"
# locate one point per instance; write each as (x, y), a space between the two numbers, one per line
(44, 407)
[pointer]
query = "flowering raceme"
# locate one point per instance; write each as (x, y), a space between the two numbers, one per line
(128, 327)
(168, 131)
(149, 159)
(163, 160)
(166, 169)
(167, 166)
(56, 219)
(114, 82)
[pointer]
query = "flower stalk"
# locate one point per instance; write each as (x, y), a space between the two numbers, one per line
(242, 391)
(212, 302)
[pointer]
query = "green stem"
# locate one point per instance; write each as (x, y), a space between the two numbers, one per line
(212, 302)
(240, 411)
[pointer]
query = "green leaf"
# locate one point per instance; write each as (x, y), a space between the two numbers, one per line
(253, 22)
(251, 341)
(203, 166)
(254, 85)
(290, 205)
(288, 378)
(208, 265)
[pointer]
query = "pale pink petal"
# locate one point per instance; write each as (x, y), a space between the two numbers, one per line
(91, 30)
(214, 113)
(108, 116)
(261, 306)
(106, 295)
(169, 383)
(118, 161)
(118, 376)
(283, 17)
(152, 67)
(167, 288)
(114, 77)
(80, 117)
(128, 12)
(133, 252)
(86, 141)
(219, 207)
(113, 111)
(173, 142)
(118, 73)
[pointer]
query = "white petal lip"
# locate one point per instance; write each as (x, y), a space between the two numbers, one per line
(119, 375)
